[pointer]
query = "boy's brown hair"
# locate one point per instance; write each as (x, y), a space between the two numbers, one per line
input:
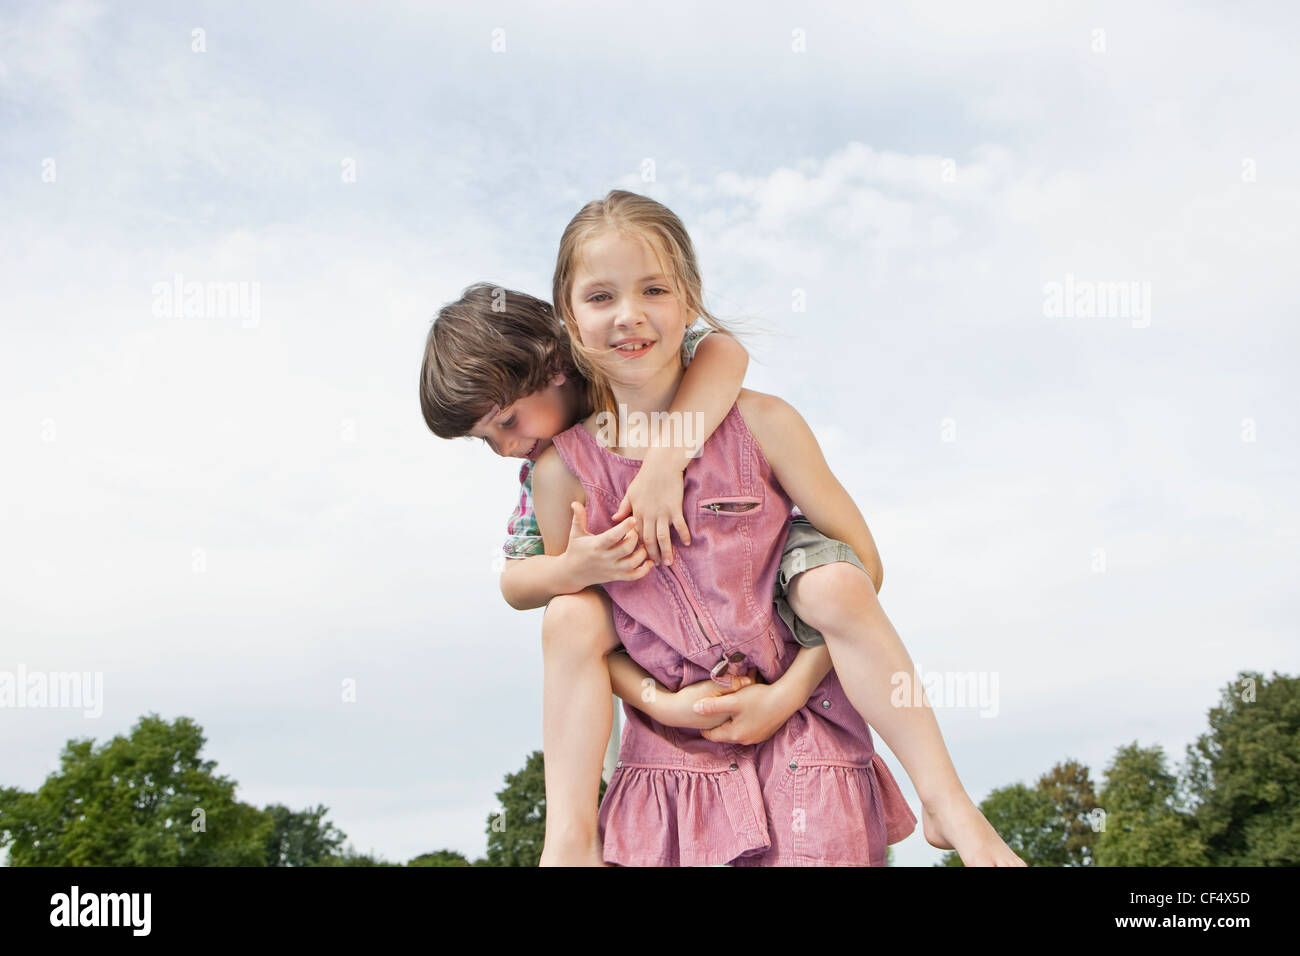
(491, 347)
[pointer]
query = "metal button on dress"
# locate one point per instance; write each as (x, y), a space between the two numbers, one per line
(734, 767)
(794, 765)
(726, 663)
(826, 704)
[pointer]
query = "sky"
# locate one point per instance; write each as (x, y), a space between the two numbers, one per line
(229, 514)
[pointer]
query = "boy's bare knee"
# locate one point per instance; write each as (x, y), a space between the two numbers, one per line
(578, 623)
(829, 596)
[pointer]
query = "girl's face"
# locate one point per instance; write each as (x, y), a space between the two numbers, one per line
(624, 306)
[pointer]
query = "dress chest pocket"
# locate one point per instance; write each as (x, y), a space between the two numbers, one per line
(730, 506)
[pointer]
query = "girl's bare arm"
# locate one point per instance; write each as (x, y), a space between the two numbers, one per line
(799, 465)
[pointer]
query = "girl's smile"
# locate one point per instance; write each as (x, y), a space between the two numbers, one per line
(633, 348)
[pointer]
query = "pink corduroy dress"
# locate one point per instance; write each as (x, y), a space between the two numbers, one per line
(816, 793)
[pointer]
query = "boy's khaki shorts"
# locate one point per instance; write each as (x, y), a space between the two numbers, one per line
(806, 548)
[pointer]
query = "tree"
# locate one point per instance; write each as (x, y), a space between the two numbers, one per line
(1069, 790)
(1243, 777)
(143, 800)
(1146, 823)
(301, 838)
(1236, 801)
(1025, 819)
(351, 856)
(518, 829)
(440, 858)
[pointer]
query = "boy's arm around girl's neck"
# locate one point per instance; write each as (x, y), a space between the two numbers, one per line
(708, 389)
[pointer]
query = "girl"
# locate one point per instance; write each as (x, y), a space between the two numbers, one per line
(815, 793)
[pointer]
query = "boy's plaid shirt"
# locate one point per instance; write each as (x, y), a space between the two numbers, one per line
(524, 539)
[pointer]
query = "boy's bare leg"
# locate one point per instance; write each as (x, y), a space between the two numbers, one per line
(577, 713)
(839, 600)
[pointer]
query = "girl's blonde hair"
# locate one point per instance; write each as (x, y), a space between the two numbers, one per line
(656, 224)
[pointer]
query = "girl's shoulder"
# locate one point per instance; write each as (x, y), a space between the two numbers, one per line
(763, 412)
(552, 474)
(775, 424)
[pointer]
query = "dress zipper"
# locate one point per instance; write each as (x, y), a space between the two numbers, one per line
(726, 659)
(695, 608)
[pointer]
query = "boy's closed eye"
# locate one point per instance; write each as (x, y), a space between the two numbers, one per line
(501, 425)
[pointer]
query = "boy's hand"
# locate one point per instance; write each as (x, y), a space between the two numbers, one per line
(612, 555)
(654, 500)
(678, 709)
(755, 713)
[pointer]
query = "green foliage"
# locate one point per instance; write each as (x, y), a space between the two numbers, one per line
(143, 800)
(1023, 818)
(1049, 825)
(517, 831)
(1068, 789)
(1145, 822)
(440, 858)
(1243, 777)
(1235, 802)
(350, 856)
(301, 838)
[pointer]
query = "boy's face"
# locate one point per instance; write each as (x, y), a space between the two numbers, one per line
(525, 428)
